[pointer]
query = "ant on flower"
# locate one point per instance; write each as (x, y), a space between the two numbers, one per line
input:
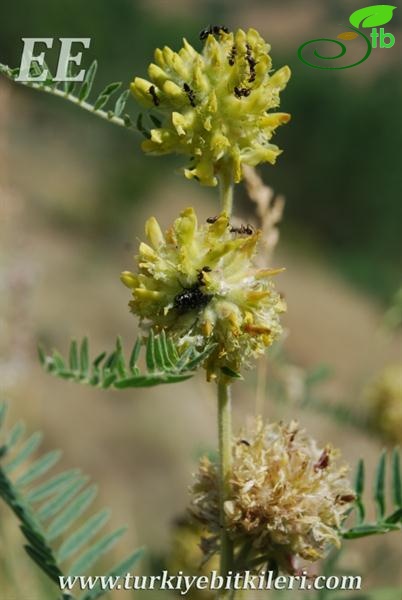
(213, 30)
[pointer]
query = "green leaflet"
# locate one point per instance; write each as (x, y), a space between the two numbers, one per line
(88, 82)
(82, 535)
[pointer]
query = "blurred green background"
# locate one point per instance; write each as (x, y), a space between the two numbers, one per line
(75, 192)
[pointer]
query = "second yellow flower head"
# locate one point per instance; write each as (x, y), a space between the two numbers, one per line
(198, 282)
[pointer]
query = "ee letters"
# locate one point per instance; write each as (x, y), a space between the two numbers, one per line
(30, 54)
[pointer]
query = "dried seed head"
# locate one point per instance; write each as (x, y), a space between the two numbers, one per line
(288, 496)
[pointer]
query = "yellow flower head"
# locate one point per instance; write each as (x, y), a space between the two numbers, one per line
(199, 283)
(288, 496)
(215, 103)
(385, 397)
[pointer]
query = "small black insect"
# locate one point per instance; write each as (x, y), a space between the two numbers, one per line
(251, 63)
(200, 276)
(155, 98)
(191, 298)
(232, 56)
(204, 33)
(239, 92)
(212, 220)
(220, 28)
(190, 94)
(213, 30)
(245, 442)
(243, 229)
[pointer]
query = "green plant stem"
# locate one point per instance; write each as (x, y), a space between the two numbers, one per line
(82, 104)
(226, 188)
(225, 459)
(225, 419)
(103, 114)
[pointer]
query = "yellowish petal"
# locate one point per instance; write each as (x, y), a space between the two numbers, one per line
(154, 233)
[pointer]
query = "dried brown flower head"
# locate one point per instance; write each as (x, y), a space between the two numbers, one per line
(289, 496)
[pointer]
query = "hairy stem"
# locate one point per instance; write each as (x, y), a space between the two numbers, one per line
(225, 418)
(82, 104)
(225, 458)
(103, 114)
(226, 191)
(261, 392)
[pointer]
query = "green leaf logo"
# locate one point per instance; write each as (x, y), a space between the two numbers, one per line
(372, 16)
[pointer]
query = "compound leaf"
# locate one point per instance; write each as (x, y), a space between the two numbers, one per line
(58, 497)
